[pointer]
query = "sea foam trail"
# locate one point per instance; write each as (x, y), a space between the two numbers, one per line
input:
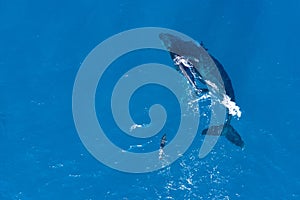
(233, 109)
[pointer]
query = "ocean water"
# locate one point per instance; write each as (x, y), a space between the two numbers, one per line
(42, 46)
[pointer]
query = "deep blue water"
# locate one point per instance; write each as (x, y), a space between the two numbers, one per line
(42, 46)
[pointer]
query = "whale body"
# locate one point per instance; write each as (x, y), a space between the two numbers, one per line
(193, 61)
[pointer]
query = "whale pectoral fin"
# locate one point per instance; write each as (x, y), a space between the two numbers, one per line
(213, 130)
(228, 131)
(232, 135)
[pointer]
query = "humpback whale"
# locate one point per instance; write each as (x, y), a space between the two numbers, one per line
(163, 142)
(190, 60)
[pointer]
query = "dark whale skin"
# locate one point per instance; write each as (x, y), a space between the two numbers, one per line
(191, 50)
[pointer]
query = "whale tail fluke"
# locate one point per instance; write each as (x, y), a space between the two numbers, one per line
(229, 132)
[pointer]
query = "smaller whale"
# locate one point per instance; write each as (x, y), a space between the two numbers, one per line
(163, 142)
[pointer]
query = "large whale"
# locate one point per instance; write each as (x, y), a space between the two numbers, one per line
(193, 61)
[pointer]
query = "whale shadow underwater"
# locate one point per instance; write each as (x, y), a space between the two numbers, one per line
(194, 62)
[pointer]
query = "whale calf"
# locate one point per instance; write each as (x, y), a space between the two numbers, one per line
(191, 60)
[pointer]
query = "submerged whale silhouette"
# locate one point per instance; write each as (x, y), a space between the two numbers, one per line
(191, 60)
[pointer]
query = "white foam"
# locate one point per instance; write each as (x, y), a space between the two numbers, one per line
(233, 109)
(134, 126)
